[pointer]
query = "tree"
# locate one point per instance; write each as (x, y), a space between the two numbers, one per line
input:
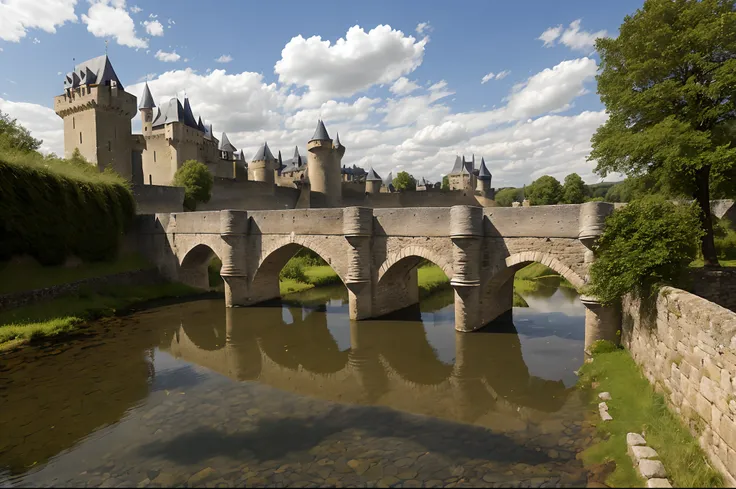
(667, 82)
(544, 190)
(197, 181)
(573, 191)
(505, 197)
(16, 137)
(445, 183)
(404, 182)
(649, 242)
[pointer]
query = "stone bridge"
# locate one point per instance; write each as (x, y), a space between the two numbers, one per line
(376, 252)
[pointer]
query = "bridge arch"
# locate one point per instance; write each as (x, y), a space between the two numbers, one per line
(193, 266)
(411, 256)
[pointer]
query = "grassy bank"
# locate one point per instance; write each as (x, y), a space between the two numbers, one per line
(66, 314)
(635, 407)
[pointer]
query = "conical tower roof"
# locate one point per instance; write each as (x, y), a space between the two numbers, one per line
(200, 125)
(320, 134)
(457, 167)
(389, 179)
(189, 119)
(242, 156)
(483, 174)
(146, 99)
(264, 154)
(225, 144)
(337, 141)
(372, 176)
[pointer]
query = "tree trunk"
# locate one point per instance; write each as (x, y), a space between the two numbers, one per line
(702, 195)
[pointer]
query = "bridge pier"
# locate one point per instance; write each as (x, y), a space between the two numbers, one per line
(601, 322)
(358, 228)
(466, 232)
(234, 273)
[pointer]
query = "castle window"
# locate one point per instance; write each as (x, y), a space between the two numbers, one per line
(80, 138)
(154, 157)
(74, 123)
(109, 146)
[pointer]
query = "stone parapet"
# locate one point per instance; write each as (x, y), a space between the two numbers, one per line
(686, 347)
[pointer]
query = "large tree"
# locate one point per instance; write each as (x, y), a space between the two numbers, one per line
(573, 191)
(197, 181)
(16, 137)
(668, 82)
(403, 182)
(545, 190)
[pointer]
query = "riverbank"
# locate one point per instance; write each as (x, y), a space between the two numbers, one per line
(637, 408)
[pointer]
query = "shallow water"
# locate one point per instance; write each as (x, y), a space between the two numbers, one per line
(298, 395)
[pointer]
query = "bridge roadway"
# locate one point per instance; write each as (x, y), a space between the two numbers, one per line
(375, 252)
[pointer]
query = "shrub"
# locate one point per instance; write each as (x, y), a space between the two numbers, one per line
(545, 190)
(197, 181)
(649, 242)
(725, 239)
(403, 182)
(505, 197)
(294, 270)
(52, 208)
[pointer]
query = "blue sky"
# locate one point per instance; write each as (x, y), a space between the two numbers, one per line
(401, 81)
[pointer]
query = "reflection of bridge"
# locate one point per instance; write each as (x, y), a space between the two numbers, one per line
(376, 251)
(387, 365)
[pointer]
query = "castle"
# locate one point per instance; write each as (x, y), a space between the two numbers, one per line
(97, 113)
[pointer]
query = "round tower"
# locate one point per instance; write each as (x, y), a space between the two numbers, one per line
(483, 182)
(146, 109)
(324, 162)
(262, 166)
(372, 182)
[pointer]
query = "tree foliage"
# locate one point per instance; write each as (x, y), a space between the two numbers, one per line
(445, 183)
(13, 136)
(667, 82)
(197, 181)
(649, 242)
(545, 190)
(506, 196)
(573, 191)
(404, 182)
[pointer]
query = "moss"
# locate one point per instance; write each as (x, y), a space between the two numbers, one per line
(636, 407)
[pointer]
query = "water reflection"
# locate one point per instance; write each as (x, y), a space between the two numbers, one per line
(201, 373)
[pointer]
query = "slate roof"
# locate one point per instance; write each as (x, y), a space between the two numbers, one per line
(338, 144)
(208, 132)
(225, 144)
(200, 125)
(372, 176)
(461, 166)
(170, 112)
(457, 167)
(320, 134)
(483, 174)
(189, 119)
(95, 71)
(296, 163)
(146, 99)
(264, 154)
(241, 157)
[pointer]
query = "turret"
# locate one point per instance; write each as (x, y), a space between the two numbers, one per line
(226, 148)
(484, 178)
(262, 166)
(324, 162)
(146, 109)
(372, 182)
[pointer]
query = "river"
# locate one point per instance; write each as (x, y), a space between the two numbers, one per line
(294, 394)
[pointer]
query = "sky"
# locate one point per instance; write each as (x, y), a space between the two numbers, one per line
(408, 85)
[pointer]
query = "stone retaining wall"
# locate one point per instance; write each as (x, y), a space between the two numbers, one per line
(136, 277)
(686, 347)
(717, 285)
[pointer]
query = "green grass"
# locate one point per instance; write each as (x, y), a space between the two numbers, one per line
(724, 263)
(65, 314)
(636, 408)
(431, 279)
(321, 275)
(29, 274)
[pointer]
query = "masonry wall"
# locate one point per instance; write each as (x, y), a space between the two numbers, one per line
(150, 199)
(686, 347)
(228, 193)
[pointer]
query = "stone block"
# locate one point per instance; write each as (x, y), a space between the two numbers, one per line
(605, 396)
(703, 407)
(707, 389)
(728, 431)
(658, 482)
(651, 469)
(639, 452)
(715, 416)
(635, 439)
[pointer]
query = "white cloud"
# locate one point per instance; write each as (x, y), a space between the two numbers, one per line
(18, 16)
(225, 58)
(41, 121)
(333, 112)
(352, 64)
(494, 76)
(136, 9)
(154, 27)
(146, 77)
(36, 40)
(167, 57)
(423, 27)
(403, 86)
(572, 37)
(104, 19)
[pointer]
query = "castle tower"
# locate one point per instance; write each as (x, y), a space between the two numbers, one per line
(262, 167)
(372, 182)
(226, 148)
(324, 162)
(484, 178)
(97, 113)
(146, 109)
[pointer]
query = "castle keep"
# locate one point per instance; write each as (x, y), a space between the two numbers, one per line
(97, 113)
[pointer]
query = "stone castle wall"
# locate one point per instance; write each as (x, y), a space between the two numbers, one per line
(151, 199)
(686, 347)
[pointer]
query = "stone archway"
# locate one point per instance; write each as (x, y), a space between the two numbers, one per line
(193, 267)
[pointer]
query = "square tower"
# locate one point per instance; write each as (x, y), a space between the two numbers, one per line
(97, 112)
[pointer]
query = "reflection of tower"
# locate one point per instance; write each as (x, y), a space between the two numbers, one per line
(472, 396)
(323, 163)
(241, 347)
(363, 359)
